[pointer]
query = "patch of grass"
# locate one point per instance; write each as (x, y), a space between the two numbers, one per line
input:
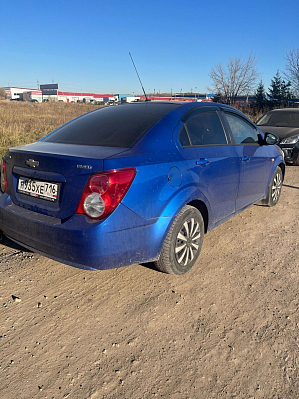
(23, 123)
(253, 113)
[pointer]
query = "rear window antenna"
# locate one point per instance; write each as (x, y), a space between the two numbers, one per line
(146, 99)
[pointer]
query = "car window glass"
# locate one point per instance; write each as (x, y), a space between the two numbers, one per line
(114, 126)
(183, 137)
(205, 128)
(280, 119)
(242, 131)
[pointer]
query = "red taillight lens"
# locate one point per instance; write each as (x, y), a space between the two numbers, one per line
(99, 184)
(4, 187)
(104, 191)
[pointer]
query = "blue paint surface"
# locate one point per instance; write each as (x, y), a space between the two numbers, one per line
(168, 176)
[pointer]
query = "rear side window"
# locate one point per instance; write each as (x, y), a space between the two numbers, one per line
(183, 137)
(242, 131)
(203, 128)
(114, 126)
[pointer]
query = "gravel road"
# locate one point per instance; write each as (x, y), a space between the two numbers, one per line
(227, 329)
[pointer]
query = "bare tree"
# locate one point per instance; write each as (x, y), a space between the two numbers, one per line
(292, 68)
(237, 78)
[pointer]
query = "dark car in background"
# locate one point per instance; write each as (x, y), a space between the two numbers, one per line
(137, 183)
(285, 124)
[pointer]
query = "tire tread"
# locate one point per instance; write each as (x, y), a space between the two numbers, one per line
(163, 263)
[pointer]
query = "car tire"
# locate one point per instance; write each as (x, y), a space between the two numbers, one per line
(274, 189)
(296, 163)
(183, 242)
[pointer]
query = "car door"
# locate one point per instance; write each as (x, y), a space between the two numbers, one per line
(212, 161)
(255, 160)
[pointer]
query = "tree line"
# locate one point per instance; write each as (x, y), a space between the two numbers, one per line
(239, 78)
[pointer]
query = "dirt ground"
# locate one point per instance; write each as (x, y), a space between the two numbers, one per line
(227, 329)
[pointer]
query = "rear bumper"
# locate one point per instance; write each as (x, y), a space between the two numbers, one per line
(122, 239)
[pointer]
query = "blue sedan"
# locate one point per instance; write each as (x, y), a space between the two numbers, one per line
(137, 183)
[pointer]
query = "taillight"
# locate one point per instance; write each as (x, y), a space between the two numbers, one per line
(4, 187)
(104, 191)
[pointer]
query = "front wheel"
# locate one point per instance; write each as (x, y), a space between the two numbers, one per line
(296, 161)
(274, 189)
(183, 242)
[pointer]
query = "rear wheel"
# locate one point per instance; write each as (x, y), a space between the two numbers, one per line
(183, 242)
(274, 189)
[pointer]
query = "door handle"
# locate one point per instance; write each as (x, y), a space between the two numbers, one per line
(202, 162)
(245, 158)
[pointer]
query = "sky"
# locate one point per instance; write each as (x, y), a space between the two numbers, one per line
(84, 45)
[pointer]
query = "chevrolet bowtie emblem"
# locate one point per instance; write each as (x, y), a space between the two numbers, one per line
(32, 163)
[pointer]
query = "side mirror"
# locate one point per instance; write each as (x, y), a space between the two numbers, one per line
(271, 138)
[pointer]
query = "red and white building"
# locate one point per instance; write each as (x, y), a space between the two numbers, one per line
(25, 94)
(15, 93)
(21, 93)
(84, 97)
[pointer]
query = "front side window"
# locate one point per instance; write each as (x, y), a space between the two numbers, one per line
(203, 128)
(243, 132)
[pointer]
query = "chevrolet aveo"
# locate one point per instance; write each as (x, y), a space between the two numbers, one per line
(137, 183)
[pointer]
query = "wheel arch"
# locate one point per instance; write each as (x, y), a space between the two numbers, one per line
(283, 169)
(201, 206)
(189, 195)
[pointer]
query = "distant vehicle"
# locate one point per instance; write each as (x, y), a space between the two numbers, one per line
(130, 99)
(137, 183)
(33, 100)
(285, 124)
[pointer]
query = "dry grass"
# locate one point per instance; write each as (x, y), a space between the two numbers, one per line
(23, 123)
(253, 113)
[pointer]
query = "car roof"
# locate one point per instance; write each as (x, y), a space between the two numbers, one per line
(182, 105)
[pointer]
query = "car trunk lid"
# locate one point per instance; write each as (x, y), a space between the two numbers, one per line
(49, 178)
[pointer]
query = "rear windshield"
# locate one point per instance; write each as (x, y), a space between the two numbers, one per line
(114, 126)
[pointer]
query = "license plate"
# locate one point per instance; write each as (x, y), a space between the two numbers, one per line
(38, 189)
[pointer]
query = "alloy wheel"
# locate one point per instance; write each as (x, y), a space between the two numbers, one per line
(276, 187)
(187, 242)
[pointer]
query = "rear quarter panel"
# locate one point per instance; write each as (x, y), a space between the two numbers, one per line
(152, 194)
